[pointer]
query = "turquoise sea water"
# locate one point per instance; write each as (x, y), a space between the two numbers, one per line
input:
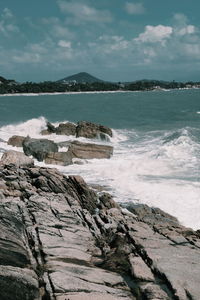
(156, 141)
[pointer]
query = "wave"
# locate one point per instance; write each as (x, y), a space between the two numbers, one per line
(159, 168)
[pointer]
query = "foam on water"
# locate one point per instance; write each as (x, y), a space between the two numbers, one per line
(159, 168)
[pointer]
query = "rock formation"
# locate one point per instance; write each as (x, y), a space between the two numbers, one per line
(91, 130)
(82, 129)
(61, 240)
(38, 148)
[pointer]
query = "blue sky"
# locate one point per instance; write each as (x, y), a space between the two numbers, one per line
(115, 40)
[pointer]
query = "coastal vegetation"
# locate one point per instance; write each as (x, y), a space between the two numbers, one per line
(84, 82)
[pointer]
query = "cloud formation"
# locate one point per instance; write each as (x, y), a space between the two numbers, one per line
(84, 13)
(134, 8)
(87, 37)
(153, 34)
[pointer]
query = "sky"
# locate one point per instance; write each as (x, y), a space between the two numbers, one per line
(114, 40)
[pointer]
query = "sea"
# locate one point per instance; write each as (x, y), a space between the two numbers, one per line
(156, 140)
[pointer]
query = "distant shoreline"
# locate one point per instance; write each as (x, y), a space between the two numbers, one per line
(92, 92)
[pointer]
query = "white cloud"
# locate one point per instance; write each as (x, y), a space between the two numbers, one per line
(84, 13)
(7, 23)
(189, 29)
(7, 13)
(57, 28)
(64, 44)
(26, 57)
(153, 34)
(134, 8)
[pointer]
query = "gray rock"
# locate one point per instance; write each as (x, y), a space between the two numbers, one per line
(16, 140)
(18, 284)
(19, 159)
(66, 129)
(39, 148)
(92, 130)
(139, 269)
(90, 151)
(75, 244)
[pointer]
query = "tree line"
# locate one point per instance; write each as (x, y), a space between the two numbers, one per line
(11, 87)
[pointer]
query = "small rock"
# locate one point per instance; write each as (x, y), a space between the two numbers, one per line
(16, 141)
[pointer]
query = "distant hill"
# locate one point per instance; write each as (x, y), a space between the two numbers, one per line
(7, 81)
(82, 77)
(3, 80)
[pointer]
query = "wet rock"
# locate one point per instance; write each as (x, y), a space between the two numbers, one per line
(92, 130)
(16, 141)
(90, 151)
(38, 148)
(66, 129)
(16, 158)
(51, 128)
(59, 158)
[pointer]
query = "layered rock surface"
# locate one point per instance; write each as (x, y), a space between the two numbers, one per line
(60, 240)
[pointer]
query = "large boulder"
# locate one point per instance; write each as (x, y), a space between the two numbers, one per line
(59, 158)
(90, 151)
(38, 148)
(66, 129)
(16, 140)
(91, 130)
(16, 158)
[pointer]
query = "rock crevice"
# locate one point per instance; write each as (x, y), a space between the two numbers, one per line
(60, 239)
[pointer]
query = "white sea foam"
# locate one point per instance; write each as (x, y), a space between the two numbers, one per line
(160, 169)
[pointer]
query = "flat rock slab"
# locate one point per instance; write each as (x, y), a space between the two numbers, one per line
(59, 158)
(90, 151)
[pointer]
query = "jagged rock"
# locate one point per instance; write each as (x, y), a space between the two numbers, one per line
(59, 158)
(91, 130)
(90, 151)
(38, 148)
(50, 129)
(16, 140)
(60, 240)
(66, 129)
(19, 159)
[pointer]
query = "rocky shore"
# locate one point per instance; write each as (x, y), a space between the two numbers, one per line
(60, 239)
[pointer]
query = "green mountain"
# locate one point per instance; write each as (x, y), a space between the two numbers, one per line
(82, 77)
